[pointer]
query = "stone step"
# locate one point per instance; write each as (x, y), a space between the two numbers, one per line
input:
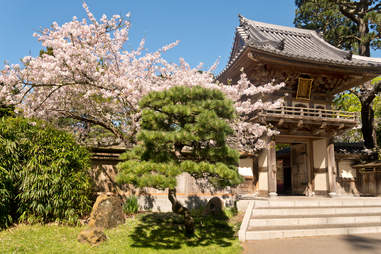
(261, 221)
(268, 219)
(312, 216)
(304, 211)
(319, 202)
(310, 230)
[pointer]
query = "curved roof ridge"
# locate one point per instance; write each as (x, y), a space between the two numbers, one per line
(366, 58)
(269, 26)
(266, 28)
(346, 54)
(295, 44)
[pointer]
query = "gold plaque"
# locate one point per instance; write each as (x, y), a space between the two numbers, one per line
(304, 88)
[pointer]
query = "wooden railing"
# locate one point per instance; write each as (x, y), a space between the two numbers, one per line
(301, 112)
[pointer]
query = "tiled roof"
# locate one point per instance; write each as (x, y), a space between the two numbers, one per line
(352, 148)
(296, 43)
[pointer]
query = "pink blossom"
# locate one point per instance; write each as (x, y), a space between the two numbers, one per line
(91, 77)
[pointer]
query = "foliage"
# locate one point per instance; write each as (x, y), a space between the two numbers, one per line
(348, 101)
(86, 74)
(324, 16)
(348, 24)
(183, 130)
(127, 238)
(43, 173)
(6, 110)
(230, 212)
(131, 206)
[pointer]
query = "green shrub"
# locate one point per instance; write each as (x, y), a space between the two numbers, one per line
(131, 205)
(43, 174)
(230, 211)
(6, 197)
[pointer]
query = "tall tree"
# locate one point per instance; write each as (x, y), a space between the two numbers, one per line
(182, 130)
(366, 14)
(325, 17)
(366, 93)
(86, 74)
(353, 25)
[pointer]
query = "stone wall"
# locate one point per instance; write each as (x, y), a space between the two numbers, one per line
(190, 192)
(351, 181)
(356, 179)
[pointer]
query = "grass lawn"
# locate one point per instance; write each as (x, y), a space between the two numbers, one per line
(147, 233)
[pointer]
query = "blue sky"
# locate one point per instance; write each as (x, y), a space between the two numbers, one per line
(205, 28)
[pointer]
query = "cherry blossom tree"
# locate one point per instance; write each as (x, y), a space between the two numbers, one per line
(86, 74)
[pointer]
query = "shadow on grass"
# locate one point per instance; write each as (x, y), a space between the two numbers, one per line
(165, 231)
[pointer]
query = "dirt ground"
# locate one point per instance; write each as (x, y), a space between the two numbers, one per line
(343, 244)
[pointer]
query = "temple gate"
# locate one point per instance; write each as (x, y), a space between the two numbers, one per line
(314, 72)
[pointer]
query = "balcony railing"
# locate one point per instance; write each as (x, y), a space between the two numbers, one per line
(312, 113)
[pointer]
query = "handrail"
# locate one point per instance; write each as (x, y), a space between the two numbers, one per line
(313, 112)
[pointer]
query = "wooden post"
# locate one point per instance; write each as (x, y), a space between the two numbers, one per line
(263, 183)
(310, 170)
(332, 170)
(271, 166)
(319, 150)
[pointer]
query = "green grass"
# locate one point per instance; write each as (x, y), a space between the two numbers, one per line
(148, 233)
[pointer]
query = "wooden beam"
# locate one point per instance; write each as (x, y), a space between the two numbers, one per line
(318, 131)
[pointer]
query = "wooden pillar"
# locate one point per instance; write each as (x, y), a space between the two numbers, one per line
(378, 183)
(332, 170)
(320, 166)
(310, 170)
(271, 166)
(263, 186)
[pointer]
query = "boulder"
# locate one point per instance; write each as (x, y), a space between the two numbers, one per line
(107, 212)
(214, 206)
(92, 235)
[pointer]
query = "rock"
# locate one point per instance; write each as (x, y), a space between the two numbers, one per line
(92, 235)
(107, 212)
(214, 206)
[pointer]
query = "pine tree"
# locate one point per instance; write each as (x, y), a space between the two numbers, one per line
(348, 24)
(182, 130)
(325, 16)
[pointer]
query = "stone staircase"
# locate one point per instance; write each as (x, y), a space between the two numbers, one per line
(300, 217)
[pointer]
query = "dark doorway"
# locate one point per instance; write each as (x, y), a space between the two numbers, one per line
(292, 177)
(283, 156)
(287, 189)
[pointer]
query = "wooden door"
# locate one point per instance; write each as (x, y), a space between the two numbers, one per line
(299, 168)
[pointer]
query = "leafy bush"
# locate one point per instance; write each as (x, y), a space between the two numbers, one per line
(43, 174)
(6, 198)
(230, 211)
(131, 205)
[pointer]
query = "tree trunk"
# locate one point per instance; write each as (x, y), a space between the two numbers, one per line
(368, 129)
(366, 97)
(364, 44)
(178, 208)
